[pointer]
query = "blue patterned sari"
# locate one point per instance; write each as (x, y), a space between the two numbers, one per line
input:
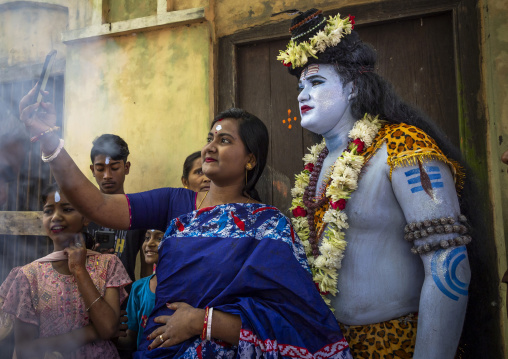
(244, 259)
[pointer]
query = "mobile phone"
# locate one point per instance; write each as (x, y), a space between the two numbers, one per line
(46, 70)
(105, 239)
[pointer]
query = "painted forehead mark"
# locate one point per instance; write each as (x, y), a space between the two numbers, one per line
(309, 70)
(218, 128)
(108, 159)
(57, 197)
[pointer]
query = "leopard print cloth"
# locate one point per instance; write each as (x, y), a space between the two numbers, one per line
(406, 145)
(387, 340)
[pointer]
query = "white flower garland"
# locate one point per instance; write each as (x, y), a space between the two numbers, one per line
(297, 55)
(343, 182)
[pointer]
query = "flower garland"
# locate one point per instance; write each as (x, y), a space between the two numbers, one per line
(325, 259)
(297, 55)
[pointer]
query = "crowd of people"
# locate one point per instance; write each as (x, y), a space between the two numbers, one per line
(372, 264)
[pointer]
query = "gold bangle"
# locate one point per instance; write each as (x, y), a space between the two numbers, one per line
(95, 301)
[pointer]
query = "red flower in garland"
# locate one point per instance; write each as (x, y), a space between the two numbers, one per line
(360, 145)
(309, 167)
(352, 21)
(299, 212)
(340, 204)
(287, 64)
(319, 290)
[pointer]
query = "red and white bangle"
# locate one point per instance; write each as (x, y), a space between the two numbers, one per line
(209, 325)
(205, 324)
(37, 137)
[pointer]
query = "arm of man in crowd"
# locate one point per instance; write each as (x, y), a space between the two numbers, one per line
(108, 210)
(425, 193)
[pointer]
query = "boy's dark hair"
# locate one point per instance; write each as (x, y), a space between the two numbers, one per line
(187, 165)
(110, 145)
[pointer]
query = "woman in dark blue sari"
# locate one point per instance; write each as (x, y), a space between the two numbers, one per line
(233, 280)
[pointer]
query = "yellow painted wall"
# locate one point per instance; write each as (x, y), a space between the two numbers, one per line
(495, 75)
(149, 88)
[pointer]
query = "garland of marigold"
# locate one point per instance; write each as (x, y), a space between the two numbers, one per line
(342, 183)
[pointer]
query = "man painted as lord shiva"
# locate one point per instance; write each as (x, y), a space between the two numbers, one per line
(376, 205)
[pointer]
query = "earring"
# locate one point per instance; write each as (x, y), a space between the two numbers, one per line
(247, 168)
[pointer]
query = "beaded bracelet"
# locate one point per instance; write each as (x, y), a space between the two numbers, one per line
(205, 324)
(95, 301)
(55, 153)
(445, 243)
(417, 230)
(209, 325)
(38, 137)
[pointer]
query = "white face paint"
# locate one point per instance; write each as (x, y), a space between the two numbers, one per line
(108, 159)
(323, 100)
(218, 128)
(57, 197)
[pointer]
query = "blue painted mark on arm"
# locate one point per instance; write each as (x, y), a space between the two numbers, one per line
(416, 179)
(434, 185)
(447, 272)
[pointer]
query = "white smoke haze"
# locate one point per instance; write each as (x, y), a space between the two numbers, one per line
(28, 31)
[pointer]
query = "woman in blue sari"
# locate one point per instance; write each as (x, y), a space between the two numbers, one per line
(233, 280)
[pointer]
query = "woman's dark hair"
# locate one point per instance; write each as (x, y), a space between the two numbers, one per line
(355, 61)
(53, 187)
(254, 136)
(187, 165)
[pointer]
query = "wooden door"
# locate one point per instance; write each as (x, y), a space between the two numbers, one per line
(416, 55)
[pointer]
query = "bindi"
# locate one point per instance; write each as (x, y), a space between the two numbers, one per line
(57, 197)
(108, 159)
(218, 128)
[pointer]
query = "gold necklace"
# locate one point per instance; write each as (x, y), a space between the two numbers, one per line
(201, 202)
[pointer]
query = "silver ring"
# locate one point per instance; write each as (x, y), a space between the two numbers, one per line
(160, 337)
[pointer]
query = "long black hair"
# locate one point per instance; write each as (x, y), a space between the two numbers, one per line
(254, 136)
(355, 61)
(187, 165)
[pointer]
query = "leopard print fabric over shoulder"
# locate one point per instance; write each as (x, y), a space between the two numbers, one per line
(406, 144)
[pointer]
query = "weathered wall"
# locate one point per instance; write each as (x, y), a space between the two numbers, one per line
(149, 88)
(495, 75)
(28, 31)
(236, 15)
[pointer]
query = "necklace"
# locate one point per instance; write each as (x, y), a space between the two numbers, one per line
(328, 211)
(201, 202)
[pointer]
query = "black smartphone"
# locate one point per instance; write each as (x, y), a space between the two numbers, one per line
(105, 239)
(46, 70)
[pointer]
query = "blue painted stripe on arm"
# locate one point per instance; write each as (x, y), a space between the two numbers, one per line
(436, 278)
(454, 280)
(414, 180)
(416, 189)
(412, 172)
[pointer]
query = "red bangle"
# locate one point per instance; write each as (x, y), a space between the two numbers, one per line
(37, 137)
(205, 324)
